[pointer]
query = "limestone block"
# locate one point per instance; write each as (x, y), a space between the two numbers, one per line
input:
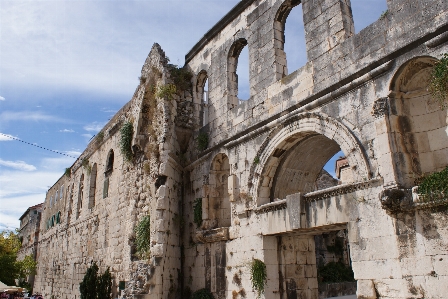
(365, 289)
(440, 263)
(162, 203)
(426, 122)
(160, 225)
(233, 188)
(163, 191)
(438, 139)
(294, 209)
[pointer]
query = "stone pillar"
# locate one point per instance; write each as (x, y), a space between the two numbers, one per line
(327, 24)
(298, 267)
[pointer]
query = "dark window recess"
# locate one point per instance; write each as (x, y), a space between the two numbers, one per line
(122, 285)
(106, 188)
(110, 162)
(161, 180)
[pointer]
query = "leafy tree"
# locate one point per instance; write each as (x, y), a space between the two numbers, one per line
(88, 285)
(11, 268)
(95, 286)
(104, 289)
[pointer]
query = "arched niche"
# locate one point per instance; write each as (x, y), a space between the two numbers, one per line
(294, 156)
(217, 203)
(417, 124)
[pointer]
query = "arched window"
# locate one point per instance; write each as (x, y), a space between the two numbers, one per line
(80, 196)
(108, 173)
(62, 192)
(56, 196)
(289, 38)
(232, 66)
(110, 161)
(92, 189)
(203, 96)
(217, 203)
(51, 201)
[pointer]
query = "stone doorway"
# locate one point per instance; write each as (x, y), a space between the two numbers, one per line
(315, 266)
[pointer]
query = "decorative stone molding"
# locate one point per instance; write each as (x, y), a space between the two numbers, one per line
(395, 199)
(270, 207)
(213, 235)
(402, 200)
(380, 107)
(340, 190)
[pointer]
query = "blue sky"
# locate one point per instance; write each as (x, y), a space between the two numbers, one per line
(67, 66)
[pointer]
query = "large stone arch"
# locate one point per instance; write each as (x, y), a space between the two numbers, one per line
(303, 131)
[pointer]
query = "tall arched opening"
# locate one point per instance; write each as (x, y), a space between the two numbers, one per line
(290, 179)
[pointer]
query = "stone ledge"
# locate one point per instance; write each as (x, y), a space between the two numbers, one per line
(213, 235)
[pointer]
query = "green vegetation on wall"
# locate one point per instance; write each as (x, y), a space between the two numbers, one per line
(435, 183)
(85, 163)
(438, 85)
(335, 272)
(181, 77)
(202, 294)
(202, 141)
(258, 276)
(126, 134)
(68, 172)
(142, 236)
(100, 137)
(166, 91)
(197, 211)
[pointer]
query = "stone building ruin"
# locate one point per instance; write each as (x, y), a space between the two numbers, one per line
(248, 169)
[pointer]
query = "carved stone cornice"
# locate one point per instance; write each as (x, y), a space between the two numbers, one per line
(403, 200)
(270, 207)
(340, 190)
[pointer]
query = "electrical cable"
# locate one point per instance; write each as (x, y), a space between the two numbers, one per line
(15, 138)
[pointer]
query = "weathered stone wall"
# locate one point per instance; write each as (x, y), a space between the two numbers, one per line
(345, 93)
(363, 94)
(105, 197)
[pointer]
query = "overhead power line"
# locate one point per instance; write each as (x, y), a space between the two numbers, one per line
(47, 149)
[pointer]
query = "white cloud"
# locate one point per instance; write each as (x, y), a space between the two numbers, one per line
(94, 127)
(2, 98)
(12, 208)
(66, 131)
(58, 163)
(28, 116)
(19, 165)
(89, 136)
(105, 110)
(73, 153)
(6, 137)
